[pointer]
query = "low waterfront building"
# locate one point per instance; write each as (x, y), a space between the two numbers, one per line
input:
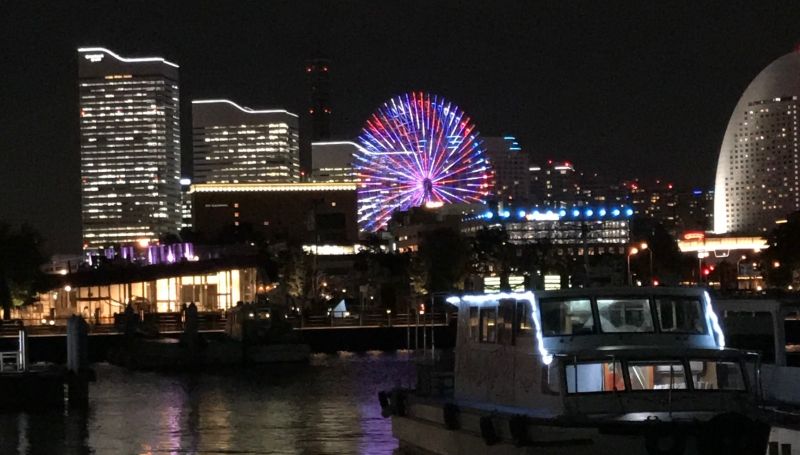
(97, 294)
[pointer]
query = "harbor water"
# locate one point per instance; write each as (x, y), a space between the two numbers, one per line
(328, 406)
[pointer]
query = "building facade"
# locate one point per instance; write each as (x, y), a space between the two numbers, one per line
(333, 161)
(757, 180)
(129, 147)
(554, 184)
(235, 144)
(299, 213)
(510, 165)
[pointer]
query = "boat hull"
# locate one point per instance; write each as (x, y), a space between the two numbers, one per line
(424, 428)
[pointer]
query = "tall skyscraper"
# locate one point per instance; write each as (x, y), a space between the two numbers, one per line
(319, 98)
(757, 173)
(554, 184)
(129, 147)
(510, 165)
(235, 144)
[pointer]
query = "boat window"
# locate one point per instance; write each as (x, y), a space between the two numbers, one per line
(566, 317)
(473, 323)
(622, 315)
(656, 375)
(488, 325)
(680, 315)
(717, 375)
(751, 330)
(505, 320)
(522, 321)
(594, 377)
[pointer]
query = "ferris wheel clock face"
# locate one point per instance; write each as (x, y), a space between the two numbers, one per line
(418, 149)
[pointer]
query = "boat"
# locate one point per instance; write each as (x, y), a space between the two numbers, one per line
(256, 333)
(595, 371)
(771, 327)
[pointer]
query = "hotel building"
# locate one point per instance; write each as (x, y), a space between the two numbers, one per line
(129, 148)
(235, 144)
(758, 172)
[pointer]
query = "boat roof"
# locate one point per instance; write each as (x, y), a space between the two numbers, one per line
(654, 353)
(621, 291)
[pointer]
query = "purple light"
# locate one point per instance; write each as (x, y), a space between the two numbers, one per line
(417, 148)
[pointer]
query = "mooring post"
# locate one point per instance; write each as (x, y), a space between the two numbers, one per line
(77, 361)
(22, 355)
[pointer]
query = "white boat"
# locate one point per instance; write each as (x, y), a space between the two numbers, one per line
(595, 371)
(771, 327)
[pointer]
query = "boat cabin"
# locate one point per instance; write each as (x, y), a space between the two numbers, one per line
(602, 351)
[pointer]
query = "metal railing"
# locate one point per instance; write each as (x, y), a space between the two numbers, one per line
(164, 322)
(372, 320)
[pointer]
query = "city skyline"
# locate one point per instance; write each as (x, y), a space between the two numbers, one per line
(570, 84)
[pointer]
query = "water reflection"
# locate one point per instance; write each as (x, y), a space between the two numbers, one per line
(326, 407)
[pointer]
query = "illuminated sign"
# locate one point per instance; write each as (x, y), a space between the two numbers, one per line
(694, 235)
(94, 58)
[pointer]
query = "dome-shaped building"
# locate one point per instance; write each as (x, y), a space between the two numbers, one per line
(757, 173)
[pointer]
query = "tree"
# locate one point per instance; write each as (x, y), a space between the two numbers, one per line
(666, 256)
(444, 254)
(21, 259)
(782, 258)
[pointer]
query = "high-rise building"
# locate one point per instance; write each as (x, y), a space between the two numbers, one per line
(510, 165)
(333, 161)
(554, 184)
(235, 144)
(757, 173)
(696, 210)
(129, 147)
(319, 98)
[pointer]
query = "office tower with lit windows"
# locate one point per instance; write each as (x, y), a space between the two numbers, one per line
(129, 148)
(332, 161)
(554, 184)
(758, 180)
(510, 165)
(235, 144)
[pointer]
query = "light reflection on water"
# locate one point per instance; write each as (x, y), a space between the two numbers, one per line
(326, 407)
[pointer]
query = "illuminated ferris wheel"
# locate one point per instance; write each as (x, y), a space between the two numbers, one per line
(418, 149)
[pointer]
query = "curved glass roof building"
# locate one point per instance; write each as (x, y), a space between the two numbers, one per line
(757, 179)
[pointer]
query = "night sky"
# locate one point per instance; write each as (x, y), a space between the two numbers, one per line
(628, 89)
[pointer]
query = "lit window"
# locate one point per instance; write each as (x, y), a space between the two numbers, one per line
(594, 377)
(656, 375)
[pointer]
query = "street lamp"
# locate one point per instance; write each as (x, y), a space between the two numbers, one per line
(631, 252)
(644, 246)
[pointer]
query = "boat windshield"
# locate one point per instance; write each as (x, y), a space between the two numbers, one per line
(625, 315)
(716, 375)
(680, 314)
(643, 375)
(566, 317)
